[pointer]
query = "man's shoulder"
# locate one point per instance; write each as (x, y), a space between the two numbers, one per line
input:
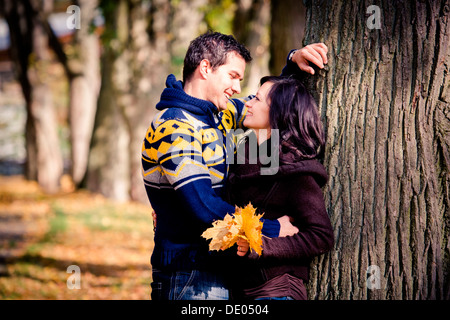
(175, 115)
(177, 120)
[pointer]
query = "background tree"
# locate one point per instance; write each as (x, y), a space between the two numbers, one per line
(385, 100)
(30, 52)
(286, 31)
(83, 65)
(251, 25)
(109, 168)
(135, 63)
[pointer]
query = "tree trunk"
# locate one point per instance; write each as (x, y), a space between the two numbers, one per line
(286, 32)
(20, 23)
(108, 166)
(30, 50)
(84, 81)
(41, 110)
(185, 25)
(385, 100)
(251, 27)
(135, 63)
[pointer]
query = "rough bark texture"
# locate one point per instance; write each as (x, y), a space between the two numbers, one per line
(385, 100)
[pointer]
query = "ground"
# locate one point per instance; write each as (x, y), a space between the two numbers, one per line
(42, 235)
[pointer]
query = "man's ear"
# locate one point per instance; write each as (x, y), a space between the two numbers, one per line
(205, 68)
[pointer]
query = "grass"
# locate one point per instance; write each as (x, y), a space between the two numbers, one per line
(42, 235)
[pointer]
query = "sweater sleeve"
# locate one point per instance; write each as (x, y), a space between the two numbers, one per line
(292, 69)
(315, 235)
(234, 116)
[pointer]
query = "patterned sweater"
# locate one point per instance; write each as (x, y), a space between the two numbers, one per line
(184, 168)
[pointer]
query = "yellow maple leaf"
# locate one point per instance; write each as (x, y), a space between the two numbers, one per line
(243, 224)
(251, 226)
(218, 232)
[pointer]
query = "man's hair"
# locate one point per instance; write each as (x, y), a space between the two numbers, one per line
(214, 47)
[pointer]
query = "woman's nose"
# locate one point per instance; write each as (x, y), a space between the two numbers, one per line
(249, 103)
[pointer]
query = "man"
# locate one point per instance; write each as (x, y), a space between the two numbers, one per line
(184, 164)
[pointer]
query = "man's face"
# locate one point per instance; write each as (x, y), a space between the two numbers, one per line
(224, 81)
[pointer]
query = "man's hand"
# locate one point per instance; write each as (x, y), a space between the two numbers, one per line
(243, 247)
(286, 227)
(154, 220)
(315, 53)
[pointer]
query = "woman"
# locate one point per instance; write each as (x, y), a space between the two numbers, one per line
(294, 189)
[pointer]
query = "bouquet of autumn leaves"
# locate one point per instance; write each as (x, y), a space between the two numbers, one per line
(245, 224)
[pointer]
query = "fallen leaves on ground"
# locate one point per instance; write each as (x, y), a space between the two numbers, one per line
(42, 235)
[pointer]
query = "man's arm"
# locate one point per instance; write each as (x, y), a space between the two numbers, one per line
(180, 158)
(299, 61)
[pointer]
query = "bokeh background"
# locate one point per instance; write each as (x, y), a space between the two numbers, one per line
(78, 84)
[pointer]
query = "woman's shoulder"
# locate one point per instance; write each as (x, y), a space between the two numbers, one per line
(301, 169)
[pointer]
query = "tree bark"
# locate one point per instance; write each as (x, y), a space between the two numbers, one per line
(385, 99)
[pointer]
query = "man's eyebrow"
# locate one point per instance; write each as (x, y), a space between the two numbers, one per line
(237, 74)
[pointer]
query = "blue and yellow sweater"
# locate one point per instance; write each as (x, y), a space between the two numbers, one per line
(184, 167)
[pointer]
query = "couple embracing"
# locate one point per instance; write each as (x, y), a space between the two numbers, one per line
(190, 183)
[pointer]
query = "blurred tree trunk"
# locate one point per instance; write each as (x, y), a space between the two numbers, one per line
(385, 101)
(150, 59)
(108, 166)
(84, 82)
(82, 67)
(251, 27)
(286, 31)
(134, 66)
(187, 22)
(30, 51)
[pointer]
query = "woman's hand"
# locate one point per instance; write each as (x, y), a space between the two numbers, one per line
(243, 247)
(286, 227)
(315, 53)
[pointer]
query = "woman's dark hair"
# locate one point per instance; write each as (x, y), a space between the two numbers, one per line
(213, 46)
(294, 113)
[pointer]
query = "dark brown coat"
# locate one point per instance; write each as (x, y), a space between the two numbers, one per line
(295, 190)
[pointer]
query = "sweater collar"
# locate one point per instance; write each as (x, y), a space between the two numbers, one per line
(173, 96)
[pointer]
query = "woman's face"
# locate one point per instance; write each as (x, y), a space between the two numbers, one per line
(258, 109)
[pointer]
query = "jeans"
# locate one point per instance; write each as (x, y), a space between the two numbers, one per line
(188, 285)
(275, 298)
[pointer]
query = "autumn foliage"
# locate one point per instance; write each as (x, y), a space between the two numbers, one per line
(244, 223)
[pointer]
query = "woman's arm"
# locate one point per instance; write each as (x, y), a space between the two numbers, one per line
(315, 235)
